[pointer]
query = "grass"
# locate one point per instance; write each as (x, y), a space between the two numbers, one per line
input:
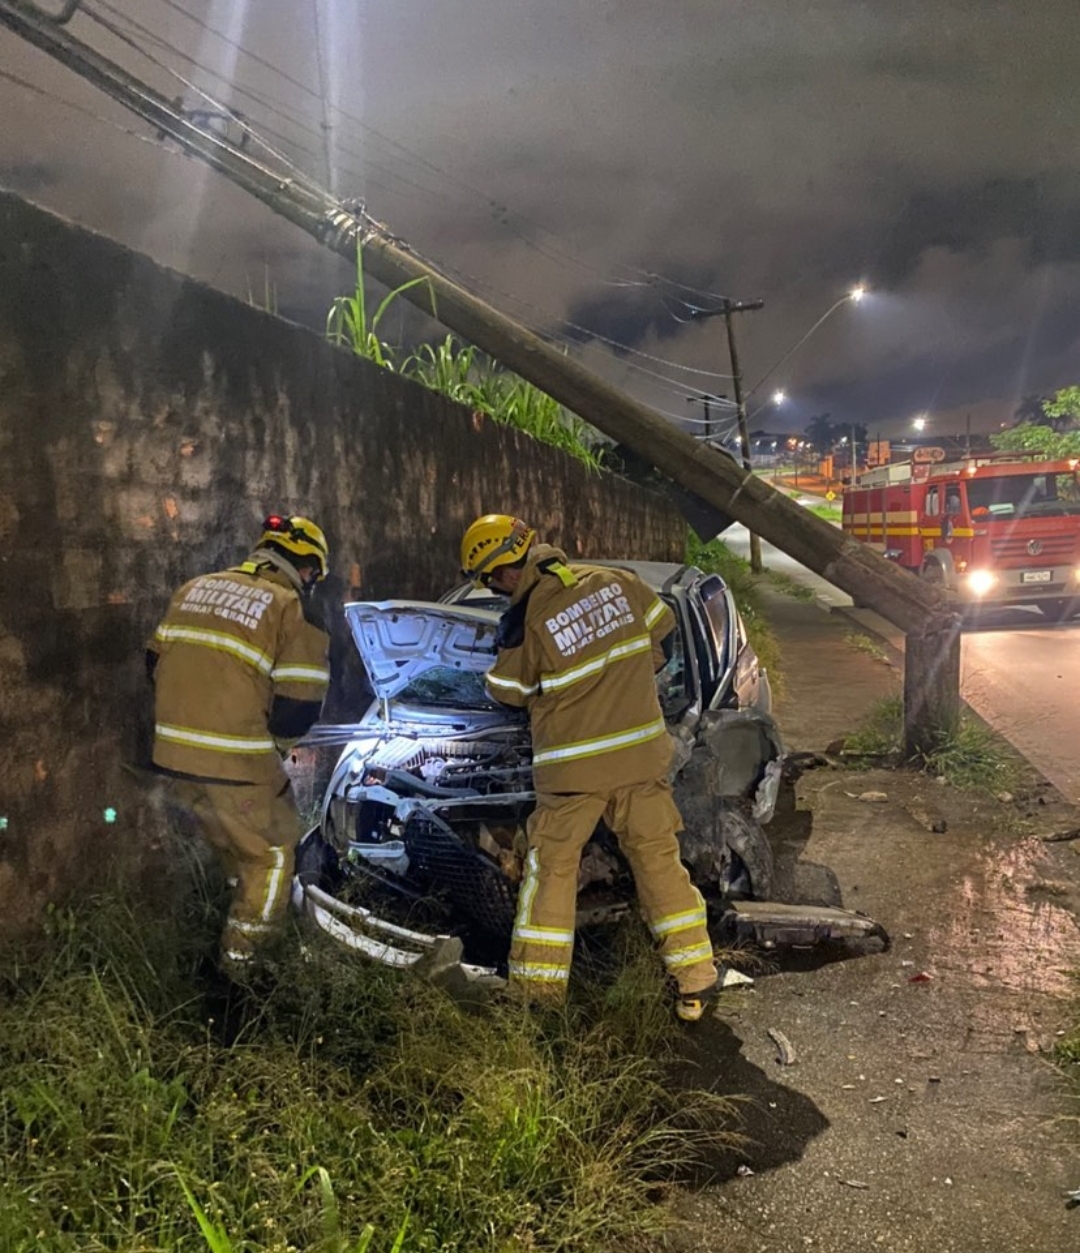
(864, 644)
(460, 372)
(342, 1107)
(827, 512)
(1067, 1057)
(972, 757)
(881, 732)
(786, 584)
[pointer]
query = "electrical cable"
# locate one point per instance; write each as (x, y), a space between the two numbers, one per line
(365, 178)
(301, 177)
(85, 112)
(147, 33)
(644, 277)
(305, 180)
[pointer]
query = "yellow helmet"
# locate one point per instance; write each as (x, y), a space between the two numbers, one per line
(494, 540)
(297, 537)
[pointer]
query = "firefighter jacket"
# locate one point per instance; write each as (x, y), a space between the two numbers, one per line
(233, 648)
(579, 649)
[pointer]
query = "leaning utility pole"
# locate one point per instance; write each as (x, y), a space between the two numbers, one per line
(729, 308)
(932, 665)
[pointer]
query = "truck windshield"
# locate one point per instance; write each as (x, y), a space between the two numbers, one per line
(1024, 495)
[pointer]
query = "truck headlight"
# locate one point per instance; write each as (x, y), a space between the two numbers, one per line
(981, 581)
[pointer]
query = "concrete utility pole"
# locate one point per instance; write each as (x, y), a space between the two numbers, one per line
(932, 666)
(707, 399)
(728, 309)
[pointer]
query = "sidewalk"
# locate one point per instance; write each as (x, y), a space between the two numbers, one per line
(918, 1115)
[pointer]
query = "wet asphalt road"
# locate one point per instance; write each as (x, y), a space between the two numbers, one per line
(1019, 672)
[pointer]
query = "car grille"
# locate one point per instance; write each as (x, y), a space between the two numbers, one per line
(1055, 549)
(473, 883)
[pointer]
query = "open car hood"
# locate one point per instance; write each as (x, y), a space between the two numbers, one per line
(425, 653)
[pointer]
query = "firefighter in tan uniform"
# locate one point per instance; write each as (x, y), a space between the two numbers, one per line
(579, 648)
(239, 674)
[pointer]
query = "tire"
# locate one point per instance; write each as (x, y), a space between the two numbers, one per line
(1057, 610)
(723, 847)
(316, 862)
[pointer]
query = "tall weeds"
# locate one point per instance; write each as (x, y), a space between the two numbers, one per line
(342, 1107)
(460, 372)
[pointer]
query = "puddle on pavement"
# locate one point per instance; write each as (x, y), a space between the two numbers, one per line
(1005, 929)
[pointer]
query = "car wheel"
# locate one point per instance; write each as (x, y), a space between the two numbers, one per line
(747, 841)
(316, 862)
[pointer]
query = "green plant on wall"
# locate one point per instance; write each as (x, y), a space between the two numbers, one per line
(462, 373)
(347, 324)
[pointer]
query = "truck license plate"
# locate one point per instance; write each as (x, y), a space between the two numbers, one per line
(1036, 576)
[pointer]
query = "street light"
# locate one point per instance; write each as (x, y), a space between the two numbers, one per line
(854, 296)
(778, 398)
(919, 422)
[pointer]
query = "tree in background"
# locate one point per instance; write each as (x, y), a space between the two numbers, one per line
(1031, 410)
(821, 433)
(1063, 409)
(1056, 437)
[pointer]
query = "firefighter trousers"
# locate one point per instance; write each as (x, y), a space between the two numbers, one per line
(254, 829)
(645, 821)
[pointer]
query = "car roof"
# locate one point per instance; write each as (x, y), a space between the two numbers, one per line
(657, 574)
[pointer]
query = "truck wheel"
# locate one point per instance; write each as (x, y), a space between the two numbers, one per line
(1057, 610)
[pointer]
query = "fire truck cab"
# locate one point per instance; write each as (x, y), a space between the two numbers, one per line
(998, 530)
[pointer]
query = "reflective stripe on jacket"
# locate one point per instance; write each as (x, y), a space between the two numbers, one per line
(585, 670)
(229, 644)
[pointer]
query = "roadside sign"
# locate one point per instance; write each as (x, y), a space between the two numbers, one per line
(830, 494)
(928, 454)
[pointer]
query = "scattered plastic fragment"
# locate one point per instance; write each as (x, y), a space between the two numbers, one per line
(921, 977)
(109, 815)
(1072, 1199)
(785, 1053)
(735, 979)
(3, 823)
(744, 1171)
(876, 1100)
(874, 798)
(854, 1183)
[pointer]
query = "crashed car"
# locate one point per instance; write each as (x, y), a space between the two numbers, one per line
(422, 828)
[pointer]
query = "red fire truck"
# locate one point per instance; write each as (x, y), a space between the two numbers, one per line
(1002, 529)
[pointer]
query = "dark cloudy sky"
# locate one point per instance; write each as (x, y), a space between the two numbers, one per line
(557, 153)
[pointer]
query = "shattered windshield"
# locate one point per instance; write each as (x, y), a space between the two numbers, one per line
(1023, 495)
(448, 688)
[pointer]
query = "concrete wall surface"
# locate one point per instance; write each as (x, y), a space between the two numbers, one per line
(147, 424)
